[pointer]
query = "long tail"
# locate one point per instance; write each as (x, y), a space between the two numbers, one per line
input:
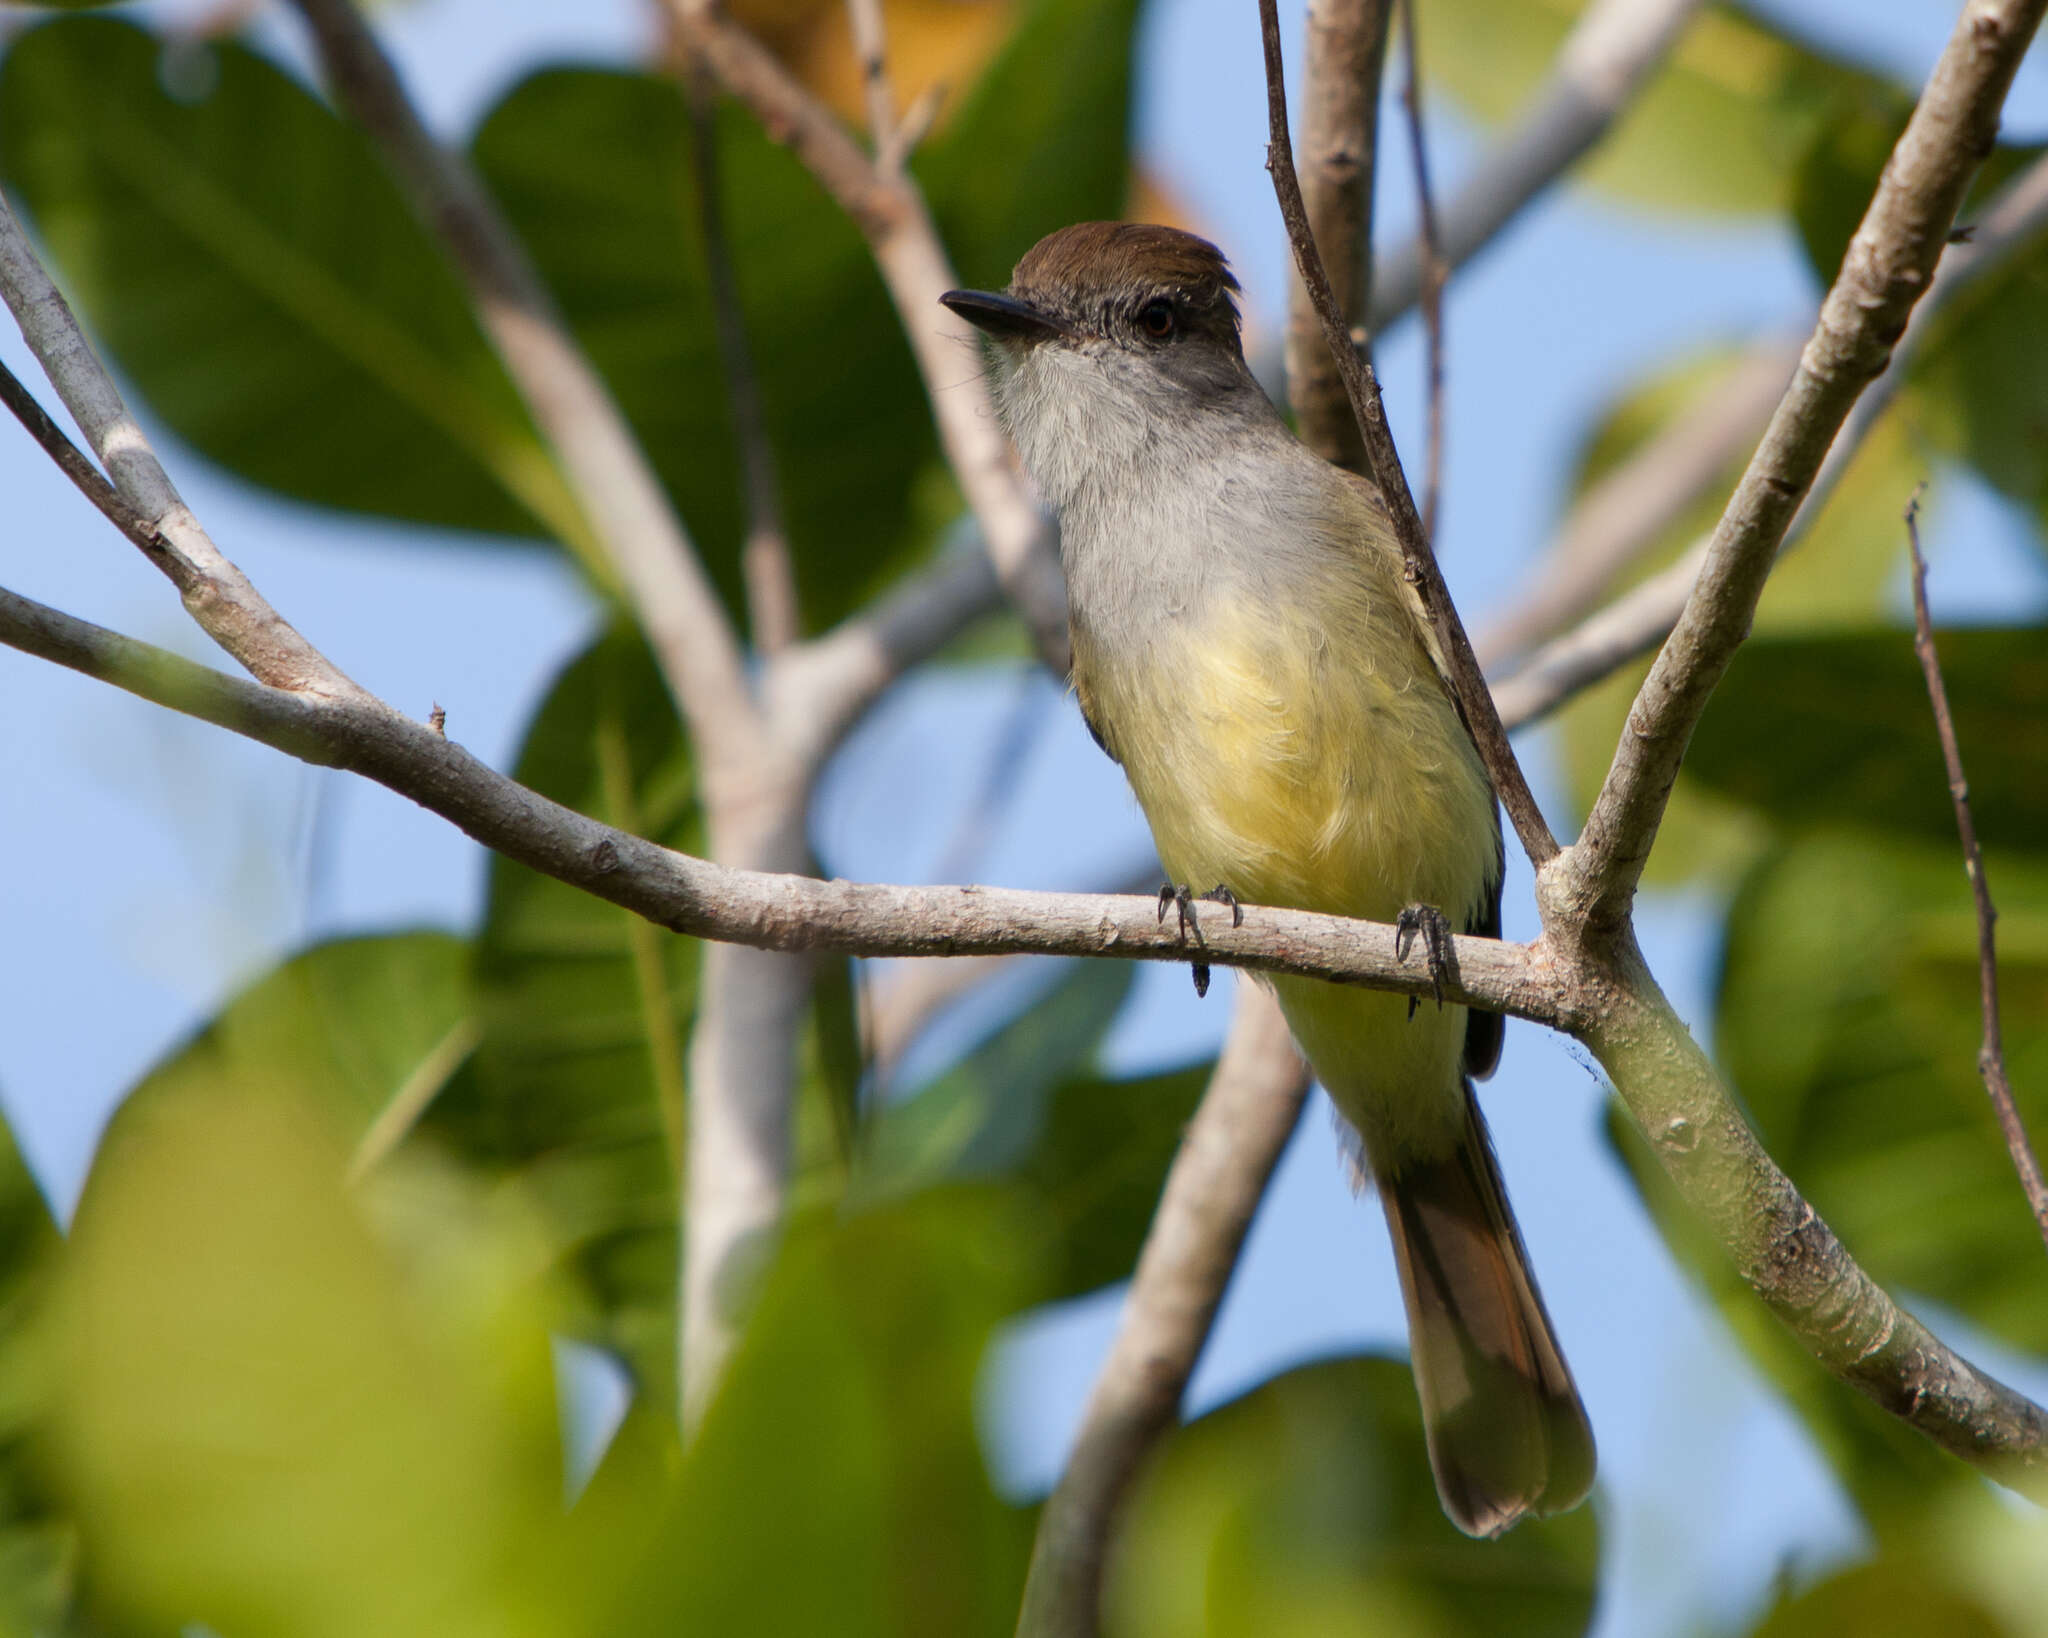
(1507, 1435)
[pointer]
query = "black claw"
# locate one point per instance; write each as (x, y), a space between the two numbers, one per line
(1181, 897)
(1219, 894)
(1435, 929)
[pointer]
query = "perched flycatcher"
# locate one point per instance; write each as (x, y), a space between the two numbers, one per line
(1246, 646)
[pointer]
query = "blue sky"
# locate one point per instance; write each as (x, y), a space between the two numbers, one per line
(155, 864)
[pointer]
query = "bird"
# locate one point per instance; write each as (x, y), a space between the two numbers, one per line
(1246, 645)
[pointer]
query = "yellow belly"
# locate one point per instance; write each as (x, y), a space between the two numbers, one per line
(1313, 760)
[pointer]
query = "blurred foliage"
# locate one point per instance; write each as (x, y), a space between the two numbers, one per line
(1305, 1509)
(292, 1372)
(245, 259)
(1737, 87)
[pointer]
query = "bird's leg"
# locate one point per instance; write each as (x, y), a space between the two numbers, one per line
(1435, 929)
(1182, 897)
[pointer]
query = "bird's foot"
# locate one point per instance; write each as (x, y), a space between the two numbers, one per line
(1435, 929)
(1181, 897)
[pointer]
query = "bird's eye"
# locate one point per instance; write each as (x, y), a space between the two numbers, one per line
(1156, 318)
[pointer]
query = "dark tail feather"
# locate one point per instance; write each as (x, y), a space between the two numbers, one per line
(1507, 1435)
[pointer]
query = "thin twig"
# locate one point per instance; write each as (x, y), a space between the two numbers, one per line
(1237, 1137)
(1612, 52)
(1991, 1055)
(891, 213)
(1345, 46)
(1625, 513)
(871, 46)
(1887, 268)
(75, 465)
(765, 564)
(1435, 272)
(216, 593)
(1466, 684)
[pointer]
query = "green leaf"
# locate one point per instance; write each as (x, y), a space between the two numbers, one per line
(38, 1544)
(369, 1030)
(836, 1484)
(1042, 140)
(1307, 1508)
(1837, 729)
(594, 169)
(1894, 1599)
(1848, 1018)
(1721, 129)
(585, 1008)
(1088, 1151)
(270, 1420)
(254, 273)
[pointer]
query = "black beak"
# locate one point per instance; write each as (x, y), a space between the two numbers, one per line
(1004, 316)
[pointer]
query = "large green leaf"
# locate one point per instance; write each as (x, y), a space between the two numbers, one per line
(272, 1419)
(369, 1030)
(248, 264)
(594, 168)
(37, 1542)
(1978, 376)
(584, 1008)
(1848, 1017)
(1027, 1107)
(1042, 140)
(1307, 1508)
(1837, 728)
(836, 1484)
(1720, 129)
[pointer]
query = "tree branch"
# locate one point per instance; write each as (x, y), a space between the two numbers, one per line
(217, 594)
(1469, 688)
(1611, 54)
(886, 205)
(1627, 510)
(1888, 266)
(770, 576)
(1638, 621)
(613, 483)
(1435, 271)
(1991, 1055)
(1345, 54)
(1212, 1191)
(759, 909)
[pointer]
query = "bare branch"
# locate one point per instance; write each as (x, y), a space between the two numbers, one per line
(1345, 51)
(74, 464)
(870, 44)
(1467, 685)
(1626, 512)
(1889, 264)
(1217, 1180)
(217, 594)
(1783, 1249)
(764, 558)
(1636, 623)
(1991, 1055)
(891, 212)
(1435, 272)
(609, 473)
(1611, 54)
